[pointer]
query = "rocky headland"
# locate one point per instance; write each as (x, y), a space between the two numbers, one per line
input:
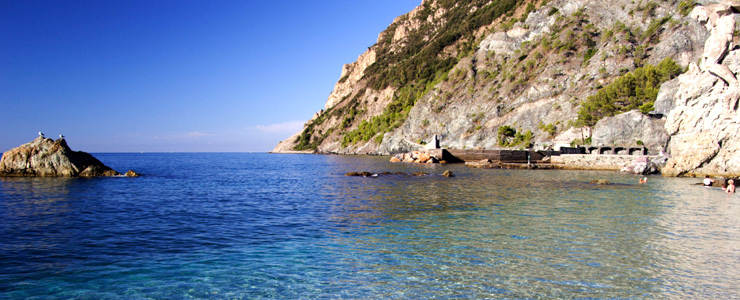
(45, 157)
(518, 74)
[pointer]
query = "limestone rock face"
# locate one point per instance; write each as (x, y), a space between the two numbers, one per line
(351, 74)
(47, 157)
(664, 103)
(628, 128)
(703, 125)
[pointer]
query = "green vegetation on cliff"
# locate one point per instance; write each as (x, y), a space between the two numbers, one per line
(434, 56)
(426, 52)
(509, 137)
(423, 62)
(636, 89)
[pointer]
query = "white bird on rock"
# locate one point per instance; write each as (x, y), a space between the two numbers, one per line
(41, 134)
(61, 136)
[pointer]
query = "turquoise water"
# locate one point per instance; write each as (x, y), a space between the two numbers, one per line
(264, 226)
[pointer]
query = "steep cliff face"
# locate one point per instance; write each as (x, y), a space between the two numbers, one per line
(704, 124)
(466, 70)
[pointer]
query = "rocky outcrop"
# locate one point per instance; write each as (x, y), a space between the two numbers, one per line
(645, 165)
(47, 157)
(630, 129)
(704, 120)
(351, 74)
(420, 157)
(704, 139)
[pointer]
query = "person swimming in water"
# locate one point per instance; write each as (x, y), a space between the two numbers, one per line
(708, 181)
(730, 187)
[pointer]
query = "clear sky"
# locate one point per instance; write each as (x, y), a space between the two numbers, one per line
(176, 75)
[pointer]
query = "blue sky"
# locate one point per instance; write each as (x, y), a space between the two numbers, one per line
(183, 76)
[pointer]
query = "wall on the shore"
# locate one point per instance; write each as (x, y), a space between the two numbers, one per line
(474, 155)
(593, 161)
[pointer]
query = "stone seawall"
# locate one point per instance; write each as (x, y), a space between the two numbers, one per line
(608, 162)
(474, 155)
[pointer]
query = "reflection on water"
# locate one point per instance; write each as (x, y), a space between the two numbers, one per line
(33, 207)
(528, 234)
(699, 243)
(34, 203)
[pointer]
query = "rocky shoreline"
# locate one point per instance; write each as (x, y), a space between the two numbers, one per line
(694, 116)
(633, 164)
(419, 157)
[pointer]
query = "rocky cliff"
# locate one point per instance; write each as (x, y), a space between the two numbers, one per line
(47, 157)
(704, 125)
(513, 74)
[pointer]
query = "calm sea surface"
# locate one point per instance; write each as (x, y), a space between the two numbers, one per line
(269, 226)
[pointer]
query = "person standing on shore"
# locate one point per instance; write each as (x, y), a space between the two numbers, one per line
(730, 187)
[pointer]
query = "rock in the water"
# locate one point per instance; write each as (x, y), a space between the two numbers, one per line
(363, 174)
(600, 181)
(47, 157)
(131, 173)
(447, 173)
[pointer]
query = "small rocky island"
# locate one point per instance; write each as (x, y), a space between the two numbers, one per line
(45, 157)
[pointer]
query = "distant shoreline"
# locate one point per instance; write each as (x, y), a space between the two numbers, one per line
(294, 152)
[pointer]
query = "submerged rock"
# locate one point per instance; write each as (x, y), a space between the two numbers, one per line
(600, 181)
(47, 157)
(363, 174)
(370, 174)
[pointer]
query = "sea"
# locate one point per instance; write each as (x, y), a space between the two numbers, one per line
(293, 226)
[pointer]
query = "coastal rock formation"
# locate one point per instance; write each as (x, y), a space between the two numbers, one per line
(704, 121)
(419, 157)
(47, 157)
(461, 70)
(464, 70)
(704, 139)
(645, 165)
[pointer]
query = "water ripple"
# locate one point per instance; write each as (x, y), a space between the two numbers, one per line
(258, 226)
